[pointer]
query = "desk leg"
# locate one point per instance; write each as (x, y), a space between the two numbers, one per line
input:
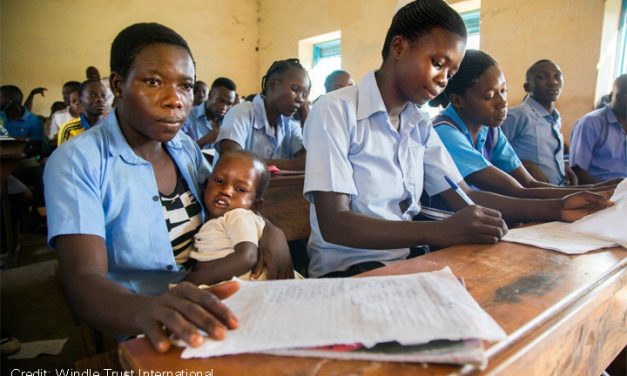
(9, 232)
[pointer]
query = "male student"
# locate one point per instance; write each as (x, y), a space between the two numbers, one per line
(533, 127)
(203, 122)
(70, 112)
(598, 144)
(337, 80)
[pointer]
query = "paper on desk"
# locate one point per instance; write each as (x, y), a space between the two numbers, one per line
(608, 224)
(30, 350)
(409, 309)
(555, 236)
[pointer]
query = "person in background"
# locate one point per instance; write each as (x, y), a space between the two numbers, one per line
(203, 123)
(123, 196)
(93, 74)
(93, 97)
(598, 142)
(201, 92)
(533, 128)
(266, 126)
(70, 112)
(337, 80)
(17, 119)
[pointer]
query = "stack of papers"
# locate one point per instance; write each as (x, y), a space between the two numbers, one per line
(423, 317)
(605, 228)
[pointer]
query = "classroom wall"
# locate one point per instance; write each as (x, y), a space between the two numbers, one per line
(46, 43)
(518, 33)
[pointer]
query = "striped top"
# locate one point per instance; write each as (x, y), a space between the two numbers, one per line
(183, 218)
(72, 129)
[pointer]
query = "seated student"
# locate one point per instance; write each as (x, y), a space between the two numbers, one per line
(28, 102)
(265, 125)
(92, 73)
(93, 98)
(201, 92)
(337, 80)
(17, 119)
(226, 246)
(533, 127)
(598, 146)
(71, 112)
(124, 195)
(370, 151)
(469, 128)
(203, 123)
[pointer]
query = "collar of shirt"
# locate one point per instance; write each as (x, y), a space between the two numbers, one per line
(450, 112)
(553, 117)
(119, 145)
(611, 116)
(261, 120)
(84, 121)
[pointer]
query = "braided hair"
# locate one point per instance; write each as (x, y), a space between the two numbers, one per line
(421, 16)
(278, 68)
(472, 67)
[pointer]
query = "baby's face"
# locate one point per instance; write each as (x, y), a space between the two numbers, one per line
(232, 185)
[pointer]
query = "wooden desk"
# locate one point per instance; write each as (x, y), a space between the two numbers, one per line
(11, 154)
(285, 206)
(564, 315)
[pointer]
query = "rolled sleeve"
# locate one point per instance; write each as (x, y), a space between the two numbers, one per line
(504, 156)
(237, 125)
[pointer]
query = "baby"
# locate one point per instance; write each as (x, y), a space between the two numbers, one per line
(227, 244)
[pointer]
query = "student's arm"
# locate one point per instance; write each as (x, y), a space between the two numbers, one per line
(295, 164)
(274, 254)
(340, 225)
(209, 138)
(107, 305)
(535, 171)
(237, 263)
(584, 177)
(571, 177)
(28, 103)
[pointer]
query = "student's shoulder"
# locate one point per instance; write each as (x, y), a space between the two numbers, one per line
(596, 118)
(344, 99)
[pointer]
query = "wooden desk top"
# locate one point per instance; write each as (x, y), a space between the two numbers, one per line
(563, 315)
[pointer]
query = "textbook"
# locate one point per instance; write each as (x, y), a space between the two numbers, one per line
(420, 317)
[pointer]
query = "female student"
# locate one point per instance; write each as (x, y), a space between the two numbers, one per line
(470, 129)
(370, 151)
(123, 202)
(265, 126)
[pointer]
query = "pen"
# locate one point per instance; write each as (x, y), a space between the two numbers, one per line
(459, 191)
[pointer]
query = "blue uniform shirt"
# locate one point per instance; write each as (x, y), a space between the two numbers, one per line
(469, 158)
(96, 185)
(535, 135)
(28, 126)
(247, 124)
(198, 125)
(352, 148)
(598, 145)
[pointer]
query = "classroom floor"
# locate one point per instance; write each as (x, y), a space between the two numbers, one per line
(33, 308)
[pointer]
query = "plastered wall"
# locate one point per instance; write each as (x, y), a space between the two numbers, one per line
(48, 42)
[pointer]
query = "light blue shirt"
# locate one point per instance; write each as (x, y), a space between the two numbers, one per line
(352, 148)
(535, 135)
(96, 185)
(468, 157)
(198, 125)
(28, 126)
(247, 124)
(598, 145)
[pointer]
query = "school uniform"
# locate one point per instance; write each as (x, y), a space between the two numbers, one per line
(247, 125)
(352, 148)
(97, 185)
(598, 145)
(28, 126)
(57, 120)
(198, 125)
(492, 147)
(535, 135)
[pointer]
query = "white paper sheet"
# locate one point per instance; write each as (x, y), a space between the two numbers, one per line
(555, 236)
(409, 309)
(606, 228)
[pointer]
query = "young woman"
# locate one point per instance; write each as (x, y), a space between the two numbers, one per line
(123, 202)
(470, 129)
(266, 126)
(370, 151)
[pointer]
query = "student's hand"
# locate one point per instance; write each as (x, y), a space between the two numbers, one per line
(39, 90)
(274, 254)
(571, 177)
(580, 204)
(473, 224)
(183, 310)
(612, 183)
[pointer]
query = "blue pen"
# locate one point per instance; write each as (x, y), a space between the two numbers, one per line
(459, 191)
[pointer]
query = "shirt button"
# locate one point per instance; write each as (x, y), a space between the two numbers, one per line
(155, 198)
(169, 267)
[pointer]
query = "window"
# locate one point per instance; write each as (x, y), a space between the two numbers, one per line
(471, 19)
(621, 55)
(320, 55)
